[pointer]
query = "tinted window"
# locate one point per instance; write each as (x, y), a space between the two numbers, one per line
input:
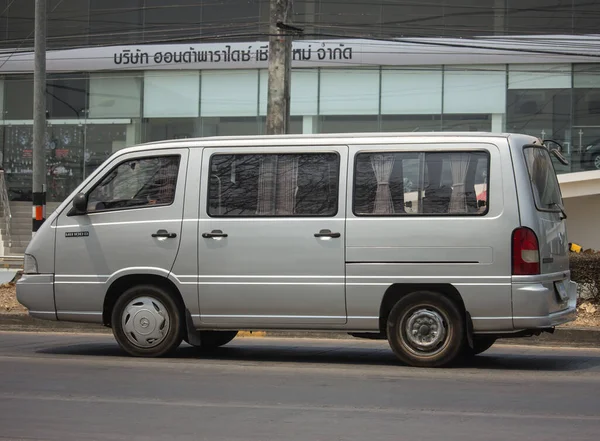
(18, 97)
(115, 21)
(66, 96)
(391, 183)
(171, 21)
(137, 183)
(546, 190)
(274, 185)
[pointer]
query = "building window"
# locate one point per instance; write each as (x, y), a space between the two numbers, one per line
(586, 117)
(349, 123)
(550, 17)
(113, 21)
(67, 23)
(173, 94)
(229, 93)
(274, 185)
(241, 15)
(115, 95)
(411, 123)
(539, 99)
(170, 21)
(18, 98)
(397, 184)
(66, 96)
(161, 129)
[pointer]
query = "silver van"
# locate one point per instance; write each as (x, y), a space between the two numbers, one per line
(441, 243)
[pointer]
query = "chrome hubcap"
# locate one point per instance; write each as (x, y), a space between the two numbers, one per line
(597, 162)
(145, 322)
(425, 330)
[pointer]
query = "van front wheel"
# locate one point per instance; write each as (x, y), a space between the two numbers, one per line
(426, 329)
(146, 322)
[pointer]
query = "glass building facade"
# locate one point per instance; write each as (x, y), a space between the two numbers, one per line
(104, 22)
(93, 114)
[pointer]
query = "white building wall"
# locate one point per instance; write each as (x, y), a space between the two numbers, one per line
(583, 225)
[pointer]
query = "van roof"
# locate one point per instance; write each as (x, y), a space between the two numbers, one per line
(330, 138)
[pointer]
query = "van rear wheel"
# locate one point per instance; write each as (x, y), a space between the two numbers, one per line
(146, 322)
(426, 329)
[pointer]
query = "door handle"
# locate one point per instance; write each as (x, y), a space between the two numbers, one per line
(164, 233)
(214, 233)
(327, 233)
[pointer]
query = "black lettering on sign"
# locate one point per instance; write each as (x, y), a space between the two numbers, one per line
(77, 234)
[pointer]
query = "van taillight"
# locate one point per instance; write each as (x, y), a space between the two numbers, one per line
(525, 253)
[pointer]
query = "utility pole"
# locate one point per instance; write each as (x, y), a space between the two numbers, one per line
(280, 55)
(39, 117)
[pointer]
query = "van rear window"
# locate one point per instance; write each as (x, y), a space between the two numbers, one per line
(544, 183)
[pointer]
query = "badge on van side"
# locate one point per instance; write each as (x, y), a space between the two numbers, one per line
(77, 234)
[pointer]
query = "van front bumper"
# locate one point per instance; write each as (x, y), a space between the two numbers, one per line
(544, 303)
(36, 293)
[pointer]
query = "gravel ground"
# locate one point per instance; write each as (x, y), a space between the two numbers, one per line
(8, 299)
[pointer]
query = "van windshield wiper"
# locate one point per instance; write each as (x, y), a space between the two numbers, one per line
(561, 208)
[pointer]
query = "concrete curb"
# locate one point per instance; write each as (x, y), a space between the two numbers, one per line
(576, 337)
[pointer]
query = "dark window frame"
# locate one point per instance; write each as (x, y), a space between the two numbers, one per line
(141, 158)
(278, 216)
(418, 152)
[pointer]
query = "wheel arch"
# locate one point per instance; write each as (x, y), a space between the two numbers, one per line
(399, 290)
(122, 284)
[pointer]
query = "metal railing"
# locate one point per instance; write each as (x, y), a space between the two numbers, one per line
(11, 262)
(5, 202)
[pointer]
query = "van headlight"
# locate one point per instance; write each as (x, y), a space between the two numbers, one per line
(30, 264)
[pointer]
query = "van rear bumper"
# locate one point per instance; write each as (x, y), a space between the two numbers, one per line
(544, 304)
(36, 293)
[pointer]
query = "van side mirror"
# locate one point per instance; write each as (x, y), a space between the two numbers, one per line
(80, 202)
(556, 149)
(558, 155)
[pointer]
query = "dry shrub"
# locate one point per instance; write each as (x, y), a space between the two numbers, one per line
(585, 270)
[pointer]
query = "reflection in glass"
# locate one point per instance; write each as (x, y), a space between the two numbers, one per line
(102, 140)
(64, 159)
(18, 97)
(274, 185)
(391, 183)
(66, 96)
(160, 129)
(341, 124)
(137, 183)
(411, 123)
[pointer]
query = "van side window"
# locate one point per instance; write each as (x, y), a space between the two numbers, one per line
(274, 185)
(419, 183)
(136, 183)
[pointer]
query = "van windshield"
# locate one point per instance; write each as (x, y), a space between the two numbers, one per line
(544, 183)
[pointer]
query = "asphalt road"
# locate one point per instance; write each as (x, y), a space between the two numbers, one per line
(82, 387)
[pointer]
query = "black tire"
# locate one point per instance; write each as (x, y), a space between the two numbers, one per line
(215, 339)
(481, 343)
(426, 306)
(156, 302)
